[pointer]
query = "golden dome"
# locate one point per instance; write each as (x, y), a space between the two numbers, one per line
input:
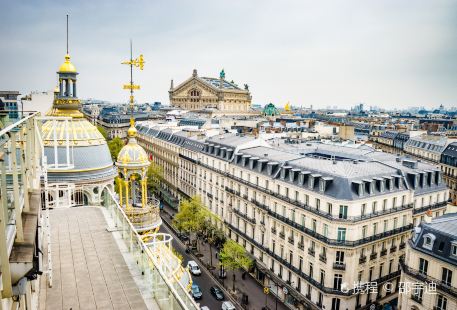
(132, 155)
(131, 132)
(67, 66)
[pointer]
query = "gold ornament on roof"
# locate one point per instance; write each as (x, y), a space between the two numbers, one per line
(67, 66)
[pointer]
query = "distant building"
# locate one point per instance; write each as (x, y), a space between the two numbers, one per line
(431, 258)
(212, 94)
(38, 101)
(8, 103)
(347, 132)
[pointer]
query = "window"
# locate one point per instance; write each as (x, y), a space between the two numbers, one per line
(384, 205)
(364, 231)
(385, 225)
(322, 279)
(441, 302)
(418, 292)
(454, 250)
(429, 239)
(364, 209)
(343, 212)
(325, 230)
(330, 208)
(337, 280)
(375, 228)
(311, 270)
(335, 304)
(423, 266)
(314, 225)
(318, 203)
(446, 276)
(341, 234)
(339, 257)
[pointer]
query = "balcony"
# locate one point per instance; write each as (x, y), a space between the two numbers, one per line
(362, 259)
(323, 258)
(273, 230)
(301, 246)
(311, 252)
(373, 256)
(383, 252)
(393, 249)
(440, 285)
(339, 266)
(244, 216)
(291, 240)
(282, 235)
(431, 207)
(328, 290)
(402, 246)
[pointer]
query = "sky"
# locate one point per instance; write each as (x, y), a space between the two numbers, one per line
(390, 54)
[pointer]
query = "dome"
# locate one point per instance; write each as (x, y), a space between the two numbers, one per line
(67, 66)
(85, 140)
(132, 155)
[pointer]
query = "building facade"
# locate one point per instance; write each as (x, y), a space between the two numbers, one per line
(448, 164)
(316, 218)
(213, 94)
(429, 270)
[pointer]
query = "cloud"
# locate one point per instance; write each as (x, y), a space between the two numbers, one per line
(385, 53)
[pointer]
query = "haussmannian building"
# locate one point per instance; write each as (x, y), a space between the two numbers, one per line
(429, 279)
(318, 219)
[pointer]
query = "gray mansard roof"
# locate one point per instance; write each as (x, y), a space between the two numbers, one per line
(442, 232)
(341, 172)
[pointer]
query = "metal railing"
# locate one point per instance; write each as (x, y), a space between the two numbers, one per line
(166, 289)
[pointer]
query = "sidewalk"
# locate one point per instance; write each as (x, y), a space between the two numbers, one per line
(248, 286)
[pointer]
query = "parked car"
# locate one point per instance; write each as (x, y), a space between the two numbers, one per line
(204, 308)
(193, 268)
(227, 305)
(196, 291)
(183, 236)
(216, 292)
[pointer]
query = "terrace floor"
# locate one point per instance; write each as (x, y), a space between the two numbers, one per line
(89, 268)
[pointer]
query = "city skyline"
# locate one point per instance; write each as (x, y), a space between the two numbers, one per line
(328, 54)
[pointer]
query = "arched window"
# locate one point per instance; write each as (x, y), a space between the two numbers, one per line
(195, 93)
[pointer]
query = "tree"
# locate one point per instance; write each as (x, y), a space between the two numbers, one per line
(103, 132)
(233, 256)
(192, 216)
(115, 147)
(155, 176)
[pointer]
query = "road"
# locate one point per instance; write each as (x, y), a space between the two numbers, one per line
(205, 281)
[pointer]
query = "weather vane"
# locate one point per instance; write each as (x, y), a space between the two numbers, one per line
(139, 63)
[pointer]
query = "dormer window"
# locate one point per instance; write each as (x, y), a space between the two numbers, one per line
(429, 239)
(454, 249)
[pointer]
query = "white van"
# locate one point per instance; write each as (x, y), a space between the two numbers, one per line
(227, 305)
(193, 268)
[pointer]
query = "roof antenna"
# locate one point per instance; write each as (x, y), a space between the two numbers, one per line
(67, 33)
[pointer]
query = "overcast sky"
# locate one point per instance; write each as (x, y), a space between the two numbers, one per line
(321, 53)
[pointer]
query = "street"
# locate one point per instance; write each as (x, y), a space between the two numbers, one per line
(205, 281)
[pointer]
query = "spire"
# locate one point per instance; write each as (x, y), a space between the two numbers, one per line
(67, 34)
(171, 85)
(139, 63)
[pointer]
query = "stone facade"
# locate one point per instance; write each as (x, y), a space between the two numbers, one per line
(219, 95)
(305, 236)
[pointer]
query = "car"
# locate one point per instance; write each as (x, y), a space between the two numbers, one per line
(227, 305)
(193, 268)
(204, 308)
(196, 291)
(216, 292)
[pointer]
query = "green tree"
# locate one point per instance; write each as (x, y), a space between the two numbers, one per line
(115, 147)
(192, 216)
(155, 177)
(103, 132)
(233, 257)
